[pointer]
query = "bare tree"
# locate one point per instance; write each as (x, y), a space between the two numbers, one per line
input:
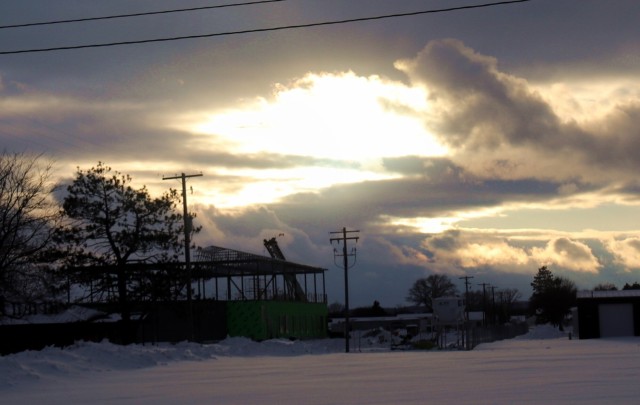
(605, 287)
(28, 218)
(424, 290)
(507, 298)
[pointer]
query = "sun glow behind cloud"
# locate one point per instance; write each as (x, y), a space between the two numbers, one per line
(435, 225)
(343, 118)
(340, 116)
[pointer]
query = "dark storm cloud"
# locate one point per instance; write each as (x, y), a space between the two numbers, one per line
(480, 108)
(487, 107)
(418, 165)
(84, 129)
(250, 224)
(447, 241)
(524, 36)
(440, 188)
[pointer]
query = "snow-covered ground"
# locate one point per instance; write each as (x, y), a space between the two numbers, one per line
(541, 367)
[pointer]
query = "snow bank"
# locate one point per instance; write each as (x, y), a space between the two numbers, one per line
(543, 332)
(89, 357)
(536, 368)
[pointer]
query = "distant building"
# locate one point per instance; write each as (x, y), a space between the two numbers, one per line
(603, 314)
(449, 310)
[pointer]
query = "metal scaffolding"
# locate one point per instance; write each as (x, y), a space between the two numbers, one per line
(216, 273)
(249, 276)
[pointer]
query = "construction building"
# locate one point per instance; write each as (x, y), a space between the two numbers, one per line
(244, 294)
(265, 297)
(234, 293)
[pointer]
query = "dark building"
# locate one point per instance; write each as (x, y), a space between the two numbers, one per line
(608, 314)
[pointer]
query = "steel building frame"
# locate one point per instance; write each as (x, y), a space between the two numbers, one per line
(244, 276)
(250, 276)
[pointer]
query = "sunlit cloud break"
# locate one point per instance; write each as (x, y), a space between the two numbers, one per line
(339, 116)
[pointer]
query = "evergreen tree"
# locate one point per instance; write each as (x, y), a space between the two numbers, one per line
(552, 297)
(109, 224)
(542, 281)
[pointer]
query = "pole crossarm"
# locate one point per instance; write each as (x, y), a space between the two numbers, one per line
(344, 237)
(182, 176)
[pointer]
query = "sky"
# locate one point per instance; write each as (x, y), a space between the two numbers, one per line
(539, 367)
(482, 142)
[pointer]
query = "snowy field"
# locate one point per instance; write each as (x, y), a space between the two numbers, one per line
(540, 367)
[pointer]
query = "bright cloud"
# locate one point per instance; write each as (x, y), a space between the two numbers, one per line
(463, 250)
(497, 251)
(337, 116)
(626, 251)
(569, 254)
(270, 185)
(587, 101)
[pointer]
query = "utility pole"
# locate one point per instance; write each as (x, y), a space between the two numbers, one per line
(465, 338)
(484, 302)
(345, 257)
(466, 293)
(188, 226)
(493, 304)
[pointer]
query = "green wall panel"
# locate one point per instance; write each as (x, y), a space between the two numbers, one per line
(262, 320)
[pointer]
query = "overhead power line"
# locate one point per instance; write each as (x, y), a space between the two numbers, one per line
(111, 17)
(256, 30)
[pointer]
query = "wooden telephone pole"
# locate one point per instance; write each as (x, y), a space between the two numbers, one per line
(188, 226)
(345, 257)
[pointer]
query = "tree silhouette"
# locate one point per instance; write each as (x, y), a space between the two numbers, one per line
(605, 287)
(109, 223)
(506, 300)
(28, 217)
(374, 310)
(552, 297)
(424, 290)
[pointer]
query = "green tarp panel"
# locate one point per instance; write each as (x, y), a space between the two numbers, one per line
(261, 320)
